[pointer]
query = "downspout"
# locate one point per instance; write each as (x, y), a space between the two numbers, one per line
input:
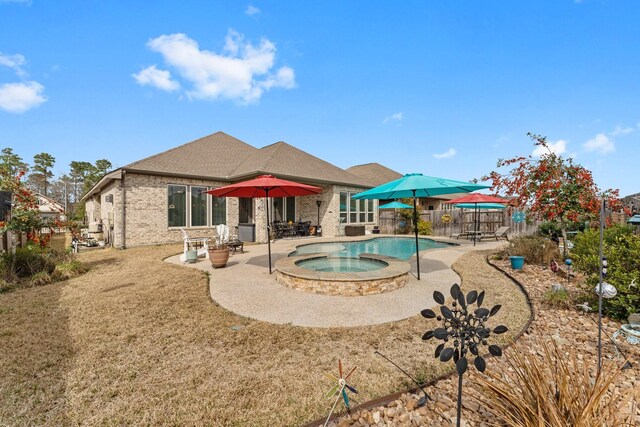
(124, 211)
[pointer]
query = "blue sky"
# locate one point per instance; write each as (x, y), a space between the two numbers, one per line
(439, 87)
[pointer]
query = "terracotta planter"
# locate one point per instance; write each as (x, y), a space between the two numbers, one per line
(218, 257)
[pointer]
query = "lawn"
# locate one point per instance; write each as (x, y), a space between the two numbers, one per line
(139, 341)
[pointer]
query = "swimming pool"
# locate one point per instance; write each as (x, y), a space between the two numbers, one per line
(398, 247)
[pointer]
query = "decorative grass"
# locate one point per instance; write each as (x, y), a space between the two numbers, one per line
(137, 341)
(553, 389)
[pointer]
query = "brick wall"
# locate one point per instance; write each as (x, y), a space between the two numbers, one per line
(146, 211)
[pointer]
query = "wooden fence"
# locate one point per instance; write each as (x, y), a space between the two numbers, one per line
(461, 220)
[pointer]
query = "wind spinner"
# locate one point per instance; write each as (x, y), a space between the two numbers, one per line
(338, 390)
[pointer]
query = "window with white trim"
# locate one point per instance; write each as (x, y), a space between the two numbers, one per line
(354, 211)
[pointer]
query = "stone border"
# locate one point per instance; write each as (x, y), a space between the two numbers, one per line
(385, 400)
(393, 276)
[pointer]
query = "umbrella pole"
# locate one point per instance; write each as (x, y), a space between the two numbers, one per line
(266, 198)
(415, 228)
(475, 225)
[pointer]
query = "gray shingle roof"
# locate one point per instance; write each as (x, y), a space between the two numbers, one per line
(374, 173)
(216, 156)
(286, 161)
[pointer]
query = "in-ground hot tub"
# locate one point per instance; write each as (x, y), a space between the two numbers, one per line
(321, 273)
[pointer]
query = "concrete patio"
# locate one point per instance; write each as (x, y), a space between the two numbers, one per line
(245, 287)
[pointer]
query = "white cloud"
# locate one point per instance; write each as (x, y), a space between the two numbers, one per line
(241, 72)
(559, 147)
(20, 97)
(601, 143)
(620, 130)
(160, 79)
(449, 153)
(251, 10)
(15, 62)
(396, 117)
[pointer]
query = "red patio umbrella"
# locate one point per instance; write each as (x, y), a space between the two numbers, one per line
(265, 186)
(476, 199)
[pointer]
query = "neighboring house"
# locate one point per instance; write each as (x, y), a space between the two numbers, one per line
(49, 208)
(148, 201)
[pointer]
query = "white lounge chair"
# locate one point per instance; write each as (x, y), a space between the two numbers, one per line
(199, 244)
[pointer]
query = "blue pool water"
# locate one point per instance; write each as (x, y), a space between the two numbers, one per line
(341, 265)
(398, 247)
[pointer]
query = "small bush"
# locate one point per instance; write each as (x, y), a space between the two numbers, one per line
(34, 266)
(425, 228)
(622, 250)
(549, 228)
(68, 270)
(534, 249)
(558, 299)
(41, 278)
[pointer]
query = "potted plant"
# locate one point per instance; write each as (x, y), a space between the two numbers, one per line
(218, 254)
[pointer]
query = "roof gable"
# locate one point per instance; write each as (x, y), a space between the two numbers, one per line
(374, 173)
(284, 160)
(215, 155)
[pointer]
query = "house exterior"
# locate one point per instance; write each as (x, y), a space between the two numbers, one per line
(49, 208)
(149, 201)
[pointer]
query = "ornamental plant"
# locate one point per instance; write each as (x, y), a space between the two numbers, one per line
(25, 215)
(552, 188)
(463, 330)
(622, 249)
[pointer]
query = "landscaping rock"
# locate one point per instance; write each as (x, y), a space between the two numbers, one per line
(572, 330)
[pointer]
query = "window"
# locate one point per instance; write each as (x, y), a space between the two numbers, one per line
(246, 210)
(219, 210)
(283, 209)
(353, 210)
(177, 206)
(356, 211)
(198, 206)
(343, 207)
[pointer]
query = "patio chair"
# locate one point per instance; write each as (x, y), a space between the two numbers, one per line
(501, 232)
(199, 244)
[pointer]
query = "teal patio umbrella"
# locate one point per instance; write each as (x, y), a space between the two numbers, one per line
(395, 205)
(417, 185)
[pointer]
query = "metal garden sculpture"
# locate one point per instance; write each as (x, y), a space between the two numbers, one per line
(463, 327)
(338, 390)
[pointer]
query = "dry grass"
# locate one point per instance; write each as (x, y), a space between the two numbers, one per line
(553, 389)
(138, 341)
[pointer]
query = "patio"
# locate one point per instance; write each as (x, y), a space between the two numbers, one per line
(245, 287)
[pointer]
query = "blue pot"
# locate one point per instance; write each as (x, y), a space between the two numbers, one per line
(517, 262)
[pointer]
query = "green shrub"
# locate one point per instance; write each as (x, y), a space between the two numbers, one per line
(25, 262)
(549, 228)
(32, 265)
(622, 250)
(534, 249)
(425, 228)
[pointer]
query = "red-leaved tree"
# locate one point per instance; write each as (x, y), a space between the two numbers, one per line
(551, 187)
